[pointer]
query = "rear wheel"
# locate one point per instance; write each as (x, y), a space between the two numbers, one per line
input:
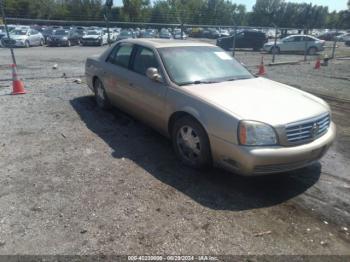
(256, 48)
(312, 51)
(100, 95)
(191, 143)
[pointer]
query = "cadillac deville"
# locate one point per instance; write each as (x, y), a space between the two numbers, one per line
(213, 109)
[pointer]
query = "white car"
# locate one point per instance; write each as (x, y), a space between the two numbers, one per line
(177, 34)
(94, 37)
(296, 43)
(343, 38)
(112, 34)
(23, 38)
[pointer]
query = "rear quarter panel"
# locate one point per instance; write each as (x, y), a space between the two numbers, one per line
(93, 67)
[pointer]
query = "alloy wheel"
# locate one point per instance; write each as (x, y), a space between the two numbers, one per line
(189, 144)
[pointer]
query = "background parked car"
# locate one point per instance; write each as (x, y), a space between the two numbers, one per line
(80, 31)
(63, 38)
(164, 33)
(244, 39)
(125, 34)
(23, 38)
(224, 33)
(343, 37)
(329, 36)
(112, 35)
(296, 43)
(94, 37)
(177, 34)
(47, 32)
(149, 33)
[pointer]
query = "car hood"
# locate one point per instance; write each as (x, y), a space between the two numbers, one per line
(91, 36)
(18, 37)
(260, 99)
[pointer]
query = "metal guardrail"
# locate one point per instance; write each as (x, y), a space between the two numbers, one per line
(19, 20)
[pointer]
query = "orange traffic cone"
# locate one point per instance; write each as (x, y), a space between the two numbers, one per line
(318, 63)
(261, 67)
(17, 84)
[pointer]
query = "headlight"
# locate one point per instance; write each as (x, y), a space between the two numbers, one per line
(65, 38)
(252, 133)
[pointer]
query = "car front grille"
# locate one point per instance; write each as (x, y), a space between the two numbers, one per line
(307, 130)
(91, 39)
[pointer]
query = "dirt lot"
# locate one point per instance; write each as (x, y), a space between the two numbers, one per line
(78, 180)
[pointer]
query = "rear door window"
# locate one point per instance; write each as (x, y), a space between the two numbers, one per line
(121, 55)
(298, 38)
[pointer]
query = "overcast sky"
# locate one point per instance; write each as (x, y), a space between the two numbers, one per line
(332, 5)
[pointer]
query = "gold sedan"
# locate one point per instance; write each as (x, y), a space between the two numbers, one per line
(214, 110)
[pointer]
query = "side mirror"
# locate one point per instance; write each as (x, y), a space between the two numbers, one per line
(153, 74)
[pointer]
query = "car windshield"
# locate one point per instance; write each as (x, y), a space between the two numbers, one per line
(201, 64)
(61, 32)
(19, 32)
(93, 32)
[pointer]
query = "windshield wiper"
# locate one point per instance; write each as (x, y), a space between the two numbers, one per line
(197, 82)
(237, 78)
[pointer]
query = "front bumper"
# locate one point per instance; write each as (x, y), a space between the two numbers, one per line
(91, 41)
(267, 48)
(18, 43)
(247, 160)
(59, 42)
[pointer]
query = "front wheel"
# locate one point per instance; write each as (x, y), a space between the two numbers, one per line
(69, 43)
(26, 44)
(191, 143)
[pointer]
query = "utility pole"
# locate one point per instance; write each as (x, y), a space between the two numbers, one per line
(234, 41)
(109, 4)
(274, 50)
(2, 7)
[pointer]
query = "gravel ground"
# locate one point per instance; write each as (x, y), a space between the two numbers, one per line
(78, 180)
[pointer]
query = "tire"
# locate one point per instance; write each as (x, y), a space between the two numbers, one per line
(275, 48)
(100, 95)
(312, 51)
(69, 44)
(191, 143)
(27, 44)
(41, 42)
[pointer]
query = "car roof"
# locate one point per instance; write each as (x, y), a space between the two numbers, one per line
(161, 43)
(300, 35)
